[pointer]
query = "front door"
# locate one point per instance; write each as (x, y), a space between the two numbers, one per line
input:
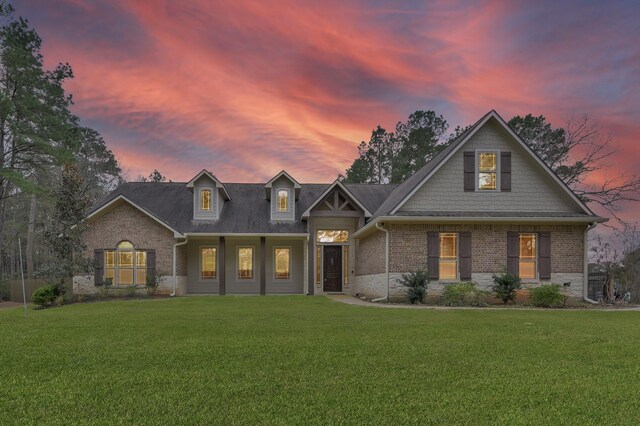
(332, 268)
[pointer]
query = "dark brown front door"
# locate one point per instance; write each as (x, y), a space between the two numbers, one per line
(332, 265)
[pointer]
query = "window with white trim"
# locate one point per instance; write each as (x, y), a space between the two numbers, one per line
(527, 262)
(283, 200)
(205, 199)
(282, 263)
(448, 263)
(125, 266)
(245, 263)
(487, 171)
(208, 263)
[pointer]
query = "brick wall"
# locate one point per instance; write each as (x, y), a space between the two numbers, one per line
(124, 222)
(370, 255)
(408, 246)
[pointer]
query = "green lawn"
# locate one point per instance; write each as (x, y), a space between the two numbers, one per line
(230, 360)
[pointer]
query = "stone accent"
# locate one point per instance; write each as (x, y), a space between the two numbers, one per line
(370, 255)
(125, 222)
(408, 244)
(375, 285)
(83, 284)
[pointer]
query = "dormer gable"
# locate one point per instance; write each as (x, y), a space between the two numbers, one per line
(282, 191)
(209, 196)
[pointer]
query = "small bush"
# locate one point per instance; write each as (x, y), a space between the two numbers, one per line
(416, 284)
(45, 296)
(547, 296)
(464, 294)
(506, 286)
(152, 283)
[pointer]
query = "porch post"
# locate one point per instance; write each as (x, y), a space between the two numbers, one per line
(263, 266)
(222, 281)
(310, 258)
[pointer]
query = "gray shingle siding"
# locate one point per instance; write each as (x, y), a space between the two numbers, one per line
(532, 187)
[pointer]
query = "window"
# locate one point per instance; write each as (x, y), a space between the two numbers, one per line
(245, 263)
(205, 199)
(283, 200)
(487, 171)
(448, 256)
(208, 263)
(125, 266)
(282, 263)
(527, 262)
(332, 236)
(318, 265)
(346, 266)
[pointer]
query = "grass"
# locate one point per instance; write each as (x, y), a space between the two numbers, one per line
(309, 360)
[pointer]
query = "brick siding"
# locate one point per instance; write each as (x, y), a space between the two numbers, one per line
(370, 254)
(408, 246)
(125, 222)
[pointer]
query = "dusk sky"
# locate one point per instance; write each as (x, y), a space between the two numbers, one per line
(246, 89)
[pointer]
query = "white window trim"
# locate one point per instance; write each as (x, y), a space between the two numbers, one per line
(278, 200)
(200, 192)
(457, 278)
(288, 215)
(117, 266)
(536, 278)
(280, 280)
(253, 263)
(200, 277)
(477, 169)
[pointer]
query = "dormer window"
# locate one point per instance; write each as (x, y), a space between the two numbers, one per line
(283, 200)
(205, 199)
(487, 171)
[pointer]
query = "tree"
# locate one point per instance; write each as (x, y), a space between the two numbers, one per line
(97, 164)
(36, 126)
(154, 176)
(63, 235)
(391, 157)
(575, 152)
(417, 141)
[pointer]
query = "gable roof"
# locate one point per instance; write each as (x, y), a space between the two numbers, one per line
(219, 185)
(417, 180)
(269, 185)
(348, 193)
(247, 212)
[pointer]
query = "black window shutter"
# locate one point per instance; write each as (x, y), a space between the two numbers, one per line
(433, 255)
(98, 261)
(544, 255)
(469, 171)
(513, 252)
(505, 171)
(465, 255)
(151, 263)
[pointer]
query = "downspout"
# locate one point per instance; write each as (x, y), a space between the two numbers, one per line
(585, 273)
(175, 279)
(386, 262)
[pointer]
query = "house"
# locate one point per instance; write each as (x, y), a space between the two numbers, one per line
(485, 204)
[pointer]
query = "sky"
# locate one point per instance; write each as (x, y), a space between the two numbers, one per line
(247, 88)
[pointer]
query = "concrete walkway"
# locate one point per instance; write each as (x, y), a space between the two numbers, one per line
(351, 300)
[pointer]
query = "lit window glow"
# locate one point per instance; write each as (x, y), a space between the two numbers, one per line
(125, 266)
(487, 170)
(283, 200)
(205, 199)
(208, 267)
(527, 261)
(448, 265)
(332, 236)
(245, 263)
(282, 260)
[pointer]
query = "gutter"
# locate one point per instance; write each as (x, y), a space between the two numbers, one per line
(386, 261)
(175, 279)
(585, 273)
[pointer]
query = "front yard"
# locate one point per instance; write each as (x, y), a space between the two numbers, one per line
(297, 359)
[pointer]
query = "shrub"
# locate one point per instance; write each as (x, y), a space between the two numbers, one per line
(547, 296)
(505, 286)
(45, 296)
(152, 283)
(464, 294)
(416, 284)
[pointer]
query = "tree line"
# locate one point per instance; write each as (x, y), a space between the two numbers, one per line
(53, 169)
